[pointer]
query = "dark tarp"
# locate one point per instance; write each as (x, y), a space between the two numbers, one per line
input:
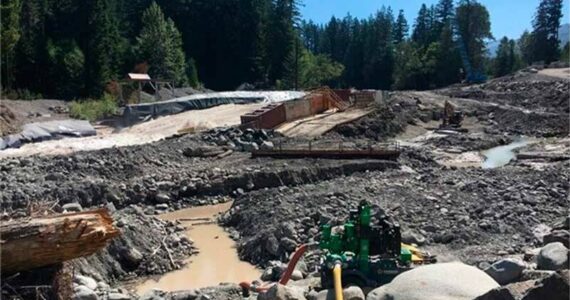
(41, 131)
(139, 112)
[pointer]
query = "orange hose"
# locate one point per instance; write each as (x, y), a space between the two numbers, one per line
(291, 266)
(284, 278)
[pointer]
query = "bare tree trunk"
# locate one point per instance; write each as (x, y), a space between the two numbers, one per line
(32, 243)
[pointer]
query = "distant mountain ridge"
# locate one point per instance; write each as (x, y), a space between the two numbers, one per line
(563, 36)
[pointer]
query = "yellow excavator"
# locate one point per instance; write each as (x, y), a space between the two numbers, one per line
(452, 118)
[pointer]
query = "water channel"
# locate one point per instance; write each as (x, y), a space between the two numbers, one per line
(217, 261)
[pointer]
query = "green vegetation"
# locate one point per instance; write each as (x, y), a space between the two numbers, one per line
(9, 37)
(93, 109)
(160, 45)
(75, 50)
(507, 59)
(565, 54)
(312, 71)
(545, 34)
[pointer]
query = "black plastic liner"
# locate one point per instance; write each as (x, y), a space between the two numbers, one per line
(42, 131)
(140, 112)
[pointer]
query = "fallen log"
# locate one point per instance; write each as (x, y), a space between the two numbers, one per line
(543, 155)
(31, 243)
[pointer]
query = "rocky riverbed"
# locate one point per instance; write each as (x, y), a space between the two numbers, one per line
(511, 218)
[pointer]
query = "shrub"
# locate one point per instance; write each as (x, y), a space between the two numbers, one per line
(94, 109)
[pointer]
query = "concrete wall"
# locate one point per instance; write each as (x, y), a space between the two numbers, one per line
(297, 109)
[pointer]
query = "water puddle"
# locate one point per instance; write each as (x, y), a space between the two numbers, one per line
(217, 261)
(501, 155)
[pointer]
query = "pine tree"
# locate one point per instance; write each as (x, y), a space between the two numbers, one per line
(474, 27)
(66, 61)
(444, 15)
(282, 37)
(448, 58)
(422, 27)
(104, 53)
(565, 53)
(192, 73)
(9, 36)
(400, 28)
(160, 45)
(505, 60)
(545, 31)
(525, 45)
(310, 33)
(31, 56)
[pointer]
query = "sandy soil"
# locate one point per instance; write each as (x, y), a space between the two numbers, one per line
(563, 73)
(15, 113)
(154, 130)
(320, 124)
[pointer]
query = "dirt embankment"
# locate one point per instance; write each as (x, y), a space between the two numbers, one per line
(476, 214)
(15, 113)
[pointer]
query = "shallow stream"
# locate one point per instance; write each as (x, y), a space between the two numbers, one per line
(502, 155)
(217, 261)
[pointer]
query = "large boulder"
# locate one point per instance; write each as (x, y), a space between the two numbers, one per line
(446, 281)
(282, 292)
(553, 256)
(506, 270)
(349, 293)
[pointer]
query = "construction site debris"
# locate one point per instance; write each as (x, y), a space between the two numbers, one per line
(247, 139)
(377, 151)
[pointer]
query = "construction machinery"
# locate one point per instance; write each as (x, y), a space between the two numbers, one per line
(367, 249)
(452, 118)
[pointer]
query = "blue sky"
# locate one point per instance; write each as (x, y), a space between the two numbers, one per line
(508, 17)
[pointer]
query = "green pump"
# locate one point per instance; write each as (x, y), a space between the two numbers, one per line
(368, 249)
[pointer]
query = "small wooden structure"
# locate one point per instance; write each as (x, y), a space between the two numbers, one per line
(142, 79)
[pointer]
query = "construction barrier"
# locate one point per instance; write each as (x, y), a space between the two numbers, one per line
(267, 117)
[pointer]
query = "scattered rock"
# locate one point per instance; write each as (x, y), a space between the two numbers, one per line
(349, 293)
(506, 270)
(72, 207)
(184, 295)
(89, 282)
(282, 292)
(82, 292)
(553, 256)
(132, 256)
(411, 237)
(561, 235)
(118, 296)
(296, 275)
(553, 287)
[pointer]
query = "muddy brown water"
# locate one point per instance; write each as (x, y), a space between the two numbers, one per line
(217, 261)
